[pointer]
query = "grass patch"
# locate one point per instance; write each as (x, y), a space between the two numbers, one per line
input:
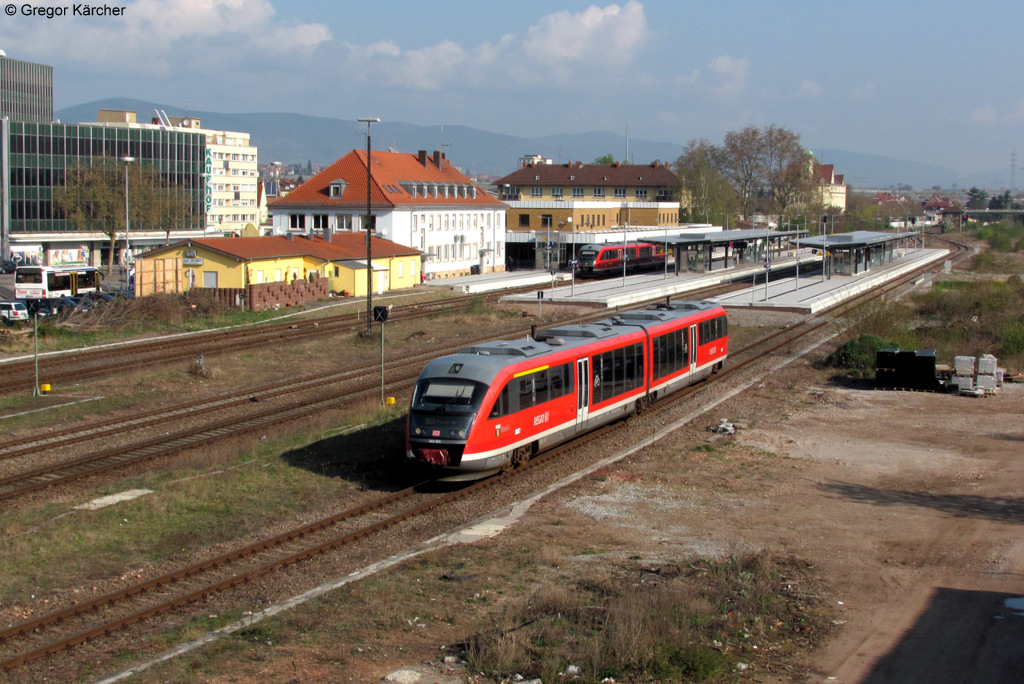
(209, 497)
(688, 622)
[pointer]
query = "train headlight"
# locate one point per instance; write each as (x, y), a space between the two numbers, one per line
(417, 431)
(462, 433)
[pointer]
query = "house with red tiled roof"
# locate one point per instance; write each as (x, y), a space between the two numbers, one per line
(336, 263)
(830, 186)
(417, 200)
(575, 203)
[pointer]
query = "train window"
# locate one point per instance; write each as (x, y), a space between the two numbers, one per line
(557, 381)
(527, 398)
(618, 371)
(501, 404)
(670, 353)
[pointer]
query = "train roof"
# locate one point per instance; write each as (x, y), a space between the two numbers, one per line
(482, 362)
(615, 245)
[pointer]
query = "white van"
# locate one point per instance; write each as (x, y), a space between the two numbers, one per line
(13, 312)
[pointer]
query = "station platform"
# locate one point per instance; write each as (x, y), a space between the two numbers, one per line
(493, 282)
(806, 293)
(810, 294)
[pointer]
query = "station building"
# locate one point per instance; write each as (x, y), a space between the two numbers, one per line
(552, 207)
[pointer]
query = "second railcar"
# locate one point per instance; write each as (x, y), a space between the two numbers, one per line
(496, 404)
(607, 259)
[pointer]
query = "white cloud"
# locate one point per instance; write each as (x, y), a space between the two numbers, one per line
(558, 49)
(155, 38)
(1017, 113)
(730, 76)
(864, 91)
(811, 88)
(984, 115)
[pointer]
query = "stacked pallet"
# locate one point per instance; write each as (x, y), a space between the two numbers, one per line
(902, 369)
(977, 377)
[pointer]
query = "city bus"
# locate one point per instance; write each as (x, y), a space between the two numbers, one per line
(49, 282)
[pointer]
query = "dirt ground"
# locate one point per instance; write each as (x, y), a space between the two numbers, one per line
(908, 506)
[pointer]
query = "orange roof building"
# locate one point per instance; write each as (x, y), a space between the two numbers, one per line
(417, 200)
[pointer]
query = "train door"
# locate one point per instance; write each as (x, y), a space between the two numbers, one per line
(582, 392)
(693, 348)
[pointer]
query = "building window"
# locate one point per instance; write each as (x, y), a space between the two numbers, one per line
(546, 221)
(577, 192)
(557, 193)
(598, 193)
(297, 221)
(640, 193)
(620, 193)
(524, 220)
(319, 221)
(536, 192)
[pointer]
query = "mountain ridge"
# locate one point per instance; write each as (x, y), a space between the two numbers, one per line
(301, 138)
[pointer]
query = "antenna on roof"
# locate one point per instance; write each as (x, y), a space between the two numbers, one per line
(443, 143)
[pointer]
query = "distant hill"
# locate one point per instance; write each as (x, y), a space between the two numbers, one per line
(297, 138)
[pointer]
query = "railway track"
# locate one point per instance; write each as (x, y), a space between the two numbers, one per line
(250, 408)
(54, 633)
(63, 368)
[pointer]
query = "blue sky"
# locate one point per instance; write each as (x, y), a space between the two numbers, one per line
(936, 82)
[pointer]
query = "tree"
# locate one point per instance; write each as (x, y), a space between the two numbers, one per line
(92, 198)
(741, 164)
(705, 194)
(605, 160)
(977, 199)
(1003, 201)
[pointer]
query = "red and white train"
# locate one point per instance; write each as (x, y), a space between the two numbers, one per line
(606, 259)
(496, 404)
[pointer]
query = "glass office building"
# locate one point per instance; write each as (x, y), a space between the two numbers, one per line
(35, 156)
(26, 90)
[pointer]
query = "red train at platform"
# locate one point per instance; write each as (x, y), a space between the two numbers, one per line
(496, 404)
(607, 259)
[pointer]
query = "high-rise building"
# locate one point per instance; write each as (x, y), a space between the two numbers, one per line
(217, 168)
(26, 90)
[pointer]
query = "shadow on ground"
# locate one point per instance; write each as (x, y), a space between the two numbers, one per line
(998, 508)
(962, 636)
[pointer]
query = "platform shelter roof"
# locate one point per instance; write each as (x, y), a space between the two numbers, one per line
(858, 238)
(728, 236)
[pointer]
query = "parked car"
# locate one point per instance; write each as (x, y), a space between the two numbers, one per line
(13, 312)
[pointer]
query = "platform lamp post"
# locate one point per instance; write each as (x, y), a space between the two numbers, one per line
(127, 219)
(369, 225)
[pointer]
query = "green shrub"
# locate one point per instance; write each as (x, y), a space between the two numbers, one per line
(1013, 338)
(858, 355)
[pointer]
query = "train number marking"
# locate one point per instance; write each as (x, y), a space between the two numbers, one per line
(542, 418)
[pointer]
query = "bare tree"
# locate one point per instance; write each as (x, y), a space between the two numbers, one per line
(92, 198)
(742, 165)
(703, 190)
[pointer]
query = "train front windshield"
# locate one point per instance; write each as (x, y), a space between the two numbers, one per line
(459, 396)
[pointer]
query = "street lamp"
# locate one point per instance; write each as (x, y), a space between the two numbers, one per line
(369, 256)
(127, 216)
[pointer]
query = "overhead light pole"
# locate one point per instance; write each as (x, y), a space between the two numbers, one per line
(369, 225)
(127, 216)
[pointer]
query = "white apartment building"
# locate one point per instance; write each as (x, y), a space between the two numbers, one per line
(231, 177)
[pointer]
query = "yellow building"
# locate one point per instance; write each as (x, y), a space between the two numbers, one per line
(563, 206)
(241, 262)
